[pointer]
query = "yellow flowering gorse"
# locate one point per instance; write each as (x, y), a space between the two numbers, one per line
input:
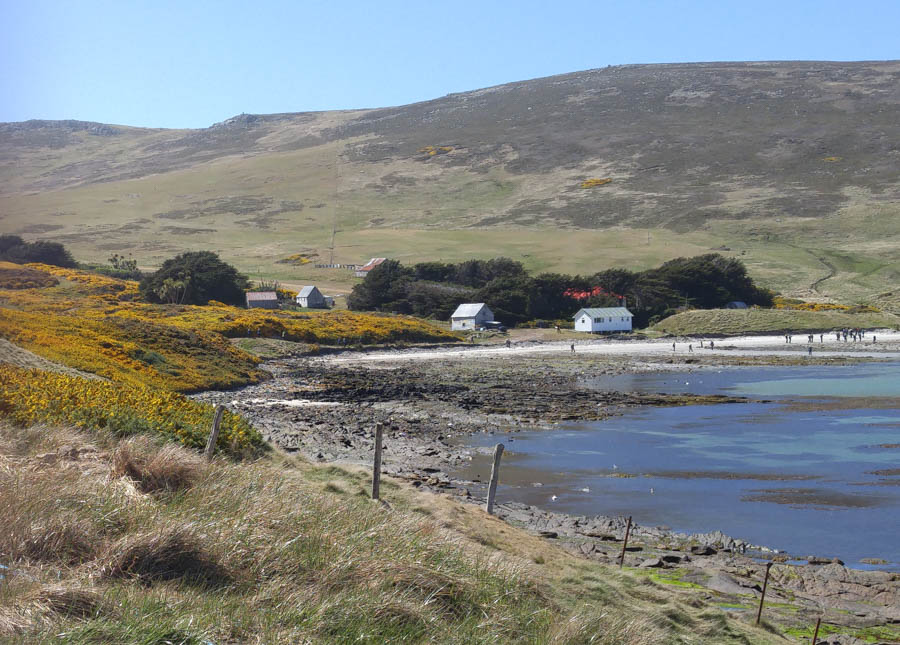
(31, 396)
(93, 323)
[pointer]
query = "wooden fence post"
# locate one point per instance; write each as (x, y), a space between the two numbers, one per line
(625, 543)
(495, 475)
(762, 597)
(376, 468)
(214, 432)
(816, 633)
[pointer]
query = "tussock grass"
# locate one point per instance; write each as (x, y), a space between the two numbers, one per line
(607, 628)
(166, 553)
(154, 469)
(34, 528)
(39, 606)
(66, 601)
(263, 552)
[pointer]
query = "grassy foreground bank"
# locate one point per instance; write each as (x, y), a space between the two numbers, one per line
(760, 321)
(137, 541)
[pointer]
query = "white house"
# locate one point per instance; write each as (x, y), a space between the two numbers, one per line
(603, 319)
(311, 297)
(470, 316)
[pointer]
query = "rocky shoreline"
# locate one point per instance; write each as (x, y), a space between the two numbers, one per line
(327, 411)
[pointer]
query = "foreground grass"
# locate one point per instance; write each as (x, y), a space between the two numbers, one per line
(135, 541)
(750, 321)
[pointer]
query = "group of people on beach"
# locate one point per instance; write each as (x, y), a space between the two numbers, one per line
(855, 334)
(712, 345)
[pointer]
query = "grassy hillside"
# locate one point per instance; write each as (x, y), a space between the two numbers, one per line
(137, 542)
(790, 166)
(750, 321)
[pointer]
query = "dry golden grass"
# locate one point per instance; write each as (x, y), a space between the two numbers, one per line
(607, 628)
(173, 552)
(154, 469)
(39, 606)
(65, 601)
(39, 528)
(280, 551)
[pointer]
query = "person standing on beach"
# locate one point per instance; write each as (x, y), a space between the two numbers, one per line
(690, 349)
(573, 347)
(810, 350)
(673, 347)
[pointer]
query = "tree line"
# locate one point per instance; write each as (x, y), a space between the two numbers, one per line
(435, 289)
(194, 277)
(14, 249)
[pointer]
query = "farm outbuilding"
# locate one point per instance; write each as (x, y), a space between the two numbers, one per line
(603, 319)
(310, 296)
(363, 271)
(262, 300)
(470, 316)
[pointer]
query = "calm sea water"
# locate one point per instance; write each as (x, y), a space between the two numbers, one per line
(813, 471)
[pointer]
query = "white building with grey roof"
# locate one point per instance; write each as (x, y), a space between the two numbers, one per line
(603, 319)
(310, 296)
(470, 316)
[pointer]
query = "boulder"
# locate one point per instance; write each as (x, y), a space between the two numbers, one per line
(651, 563)
(704, 549)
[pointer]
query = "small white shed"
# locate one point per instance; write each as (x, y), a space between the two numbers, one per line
(311, 297)
(470, 316)
(603, 319)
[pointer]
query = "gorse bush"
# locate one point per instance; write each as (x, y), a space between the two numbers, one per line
(32, 396)
(94, 323)
(15, 276)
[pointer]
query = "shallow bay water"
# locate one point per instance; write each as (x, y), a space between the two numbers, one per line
(813, 470)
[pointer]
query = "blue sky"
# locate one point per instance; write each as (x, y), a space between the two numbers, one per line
(190, 64)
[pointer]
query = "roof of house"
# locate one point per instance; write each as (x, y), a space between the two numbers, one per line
(468, 310)
(253, 296)
(371, 264)
(597, 312)
(305, 291)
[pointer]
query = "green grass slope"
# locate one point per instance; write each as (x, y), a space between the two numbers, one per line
(761, 321)
(790, 166)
